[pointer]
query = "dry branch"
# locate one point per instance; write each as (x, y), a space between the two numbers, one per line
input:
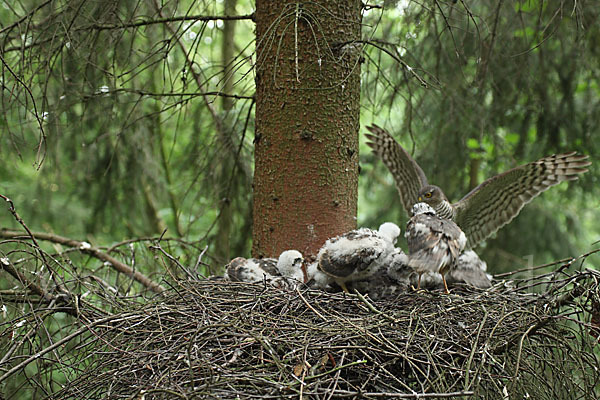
(170, 20)
(218, 339)
(86, 248)
(209, 338)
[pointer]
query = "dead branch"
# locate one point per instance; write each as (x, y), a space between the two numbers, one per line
(86, 248)
(231, 338)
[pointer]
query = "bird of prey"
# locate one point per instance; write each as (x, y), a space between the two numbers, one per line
(434, 243)
(289, 265)
(470, 269)
(489, 206)
(283, 272)
(357, 254)
(316, 278)
(398, 268)
(242, 269)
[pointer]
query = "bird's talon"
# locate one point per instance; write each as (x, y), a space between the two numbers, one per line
(418, 289)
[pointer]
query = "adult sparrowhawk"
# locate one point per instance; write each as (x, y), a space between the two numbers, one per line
(489, 206)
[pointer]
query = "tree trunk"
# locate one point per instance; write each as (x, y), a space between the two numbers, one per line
(307, 121)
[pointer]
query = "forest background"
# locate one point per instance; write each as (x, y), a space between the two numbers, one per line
(127, 141)
(112, 114)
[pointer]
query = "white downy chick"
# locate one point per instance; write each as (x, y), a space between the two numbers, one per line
(398, 268)
(250, 270)
(356, 255)
(290, 265)
(390, 230)
(471, 269)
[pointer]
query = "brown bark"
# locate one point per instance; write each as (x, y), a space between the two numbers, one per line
(307, 121)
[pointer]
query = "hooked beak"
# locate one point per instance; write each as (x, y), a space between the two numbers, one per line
(420, 198)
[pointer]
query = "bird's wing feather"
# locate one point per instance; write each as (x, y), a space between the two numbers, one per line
(269, 265)
(236, 269)
(496, 201)
(242, 269)
(344, 265)
(434, 243)
(470, 269)
(423, 232)
(471, 276)
(408, 176)
(453, 235)
(351, 252)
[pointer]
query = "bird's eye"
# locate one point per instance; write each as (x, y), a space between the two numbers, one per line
(428, 194)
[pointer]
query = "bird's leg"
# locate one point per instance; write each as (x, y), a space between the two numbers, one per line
(344, 287)
(445, 284)
(418, 285)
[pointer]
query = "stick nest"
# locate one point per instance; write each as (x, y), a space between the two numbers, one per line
(217, 339)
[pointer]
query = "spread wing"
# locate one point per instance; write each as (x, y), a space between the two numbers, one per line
(498, 200)
(409, 177)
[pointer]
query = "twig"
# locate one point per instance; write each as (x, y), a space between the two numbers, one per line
(309, 306)
(86, 248)
(372, 307)
(406, 395)
(165, 20)
(27, 284)
(398, 59)
(55, 345)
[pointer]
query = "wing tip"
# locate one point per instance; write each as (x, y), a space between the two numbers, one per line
(573, 155)
(377, 131)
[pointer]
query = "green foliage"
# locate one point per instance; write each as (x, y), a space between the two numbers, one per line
(112, 127)
(507, 84)
(130, 142)
(130, 146)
